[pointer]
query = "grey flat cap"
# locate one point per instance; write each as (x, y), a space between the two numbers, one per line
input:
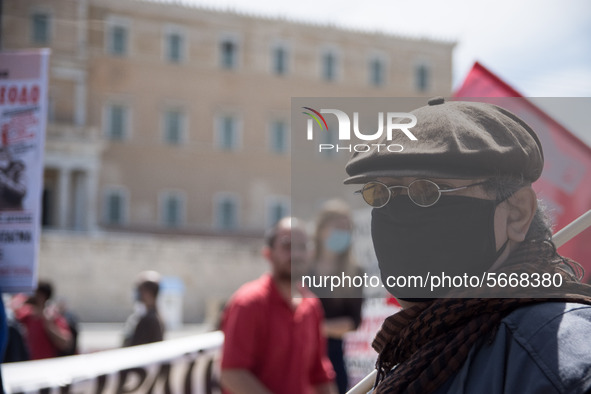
(455, 139)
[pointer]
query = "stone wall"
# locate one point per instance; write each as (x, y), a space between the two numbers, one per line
(95, 273)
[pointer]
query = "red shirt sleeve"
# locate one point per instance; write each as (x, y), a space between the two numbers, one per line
(322, 370)
(240, 327)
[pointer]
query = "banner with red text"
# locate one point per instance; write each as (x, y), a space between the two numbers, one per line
(23, 115)
(360, 357)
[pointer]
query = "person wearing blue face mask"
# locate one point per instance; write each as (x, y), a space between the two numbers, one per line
(459, 200)
(332, 257)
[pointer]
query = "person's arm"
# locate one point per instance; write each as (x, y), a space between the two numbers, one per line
(58, 331)
(321, 373)
(241, 381)
(241, 327)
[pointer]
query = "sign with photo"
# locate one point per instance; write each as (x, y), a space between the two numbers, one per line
(23, 113)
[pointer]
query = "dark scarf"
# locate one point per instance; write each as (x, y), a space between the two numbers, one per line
(429, 342)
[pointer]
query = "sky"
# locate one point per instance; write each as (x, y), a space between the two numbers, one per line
(542, 48)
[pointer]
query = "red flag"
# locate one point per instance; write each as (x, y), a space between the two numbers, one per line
(564, 185)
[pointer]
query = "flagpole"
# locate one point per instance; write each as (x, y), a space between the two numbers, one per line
(365, 385)
(573, 229)
(560, 238)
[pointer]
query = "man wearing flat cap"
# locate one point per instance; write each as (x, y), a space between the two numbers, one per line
(458, 202)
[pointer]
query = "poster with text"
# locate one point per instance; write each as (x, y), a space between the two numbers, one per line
(23, 114)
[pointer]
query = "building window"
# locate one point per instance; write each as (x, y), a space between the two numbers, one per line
(376, 72)
(229, 54)
(280, 58)
(172, 209)
(174, 125)
(422, 77)
(279, 141)
(227, 132)
(174, 47)
(227, 213)
(117, 122)
(329, 66)
(117, 37)
(40, 28)
(277, 209)
(115, 207)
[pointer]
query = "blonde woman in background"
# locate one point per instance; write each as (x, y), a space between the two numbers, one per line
(332, 256)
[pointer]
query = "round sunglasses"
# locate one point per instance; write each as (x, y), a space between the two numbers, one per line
(422, 192)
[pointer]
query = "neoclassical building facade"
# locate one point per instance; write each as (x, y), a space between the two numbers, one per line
(172, 118)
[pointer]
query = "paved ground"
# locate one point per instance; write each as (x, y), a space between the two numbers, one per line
(94, 337)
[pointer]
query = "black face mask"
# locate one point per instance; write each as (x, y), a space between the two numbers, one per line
(455, 236)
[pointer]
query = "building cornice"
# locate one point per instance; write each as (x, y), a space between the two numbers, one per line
(179, 8)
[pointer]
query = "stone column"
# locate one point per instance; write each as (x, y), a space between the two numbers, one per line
(92, 199)
(63, 212)
(80, 199)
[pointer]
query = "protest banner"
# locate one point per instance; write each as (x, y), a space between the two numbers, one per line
(23, 113)
(360, 357)
(183, 365)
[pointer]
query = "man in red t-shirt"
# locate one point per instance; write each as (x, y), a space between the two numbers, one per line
(47, 332)
(273, 341)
